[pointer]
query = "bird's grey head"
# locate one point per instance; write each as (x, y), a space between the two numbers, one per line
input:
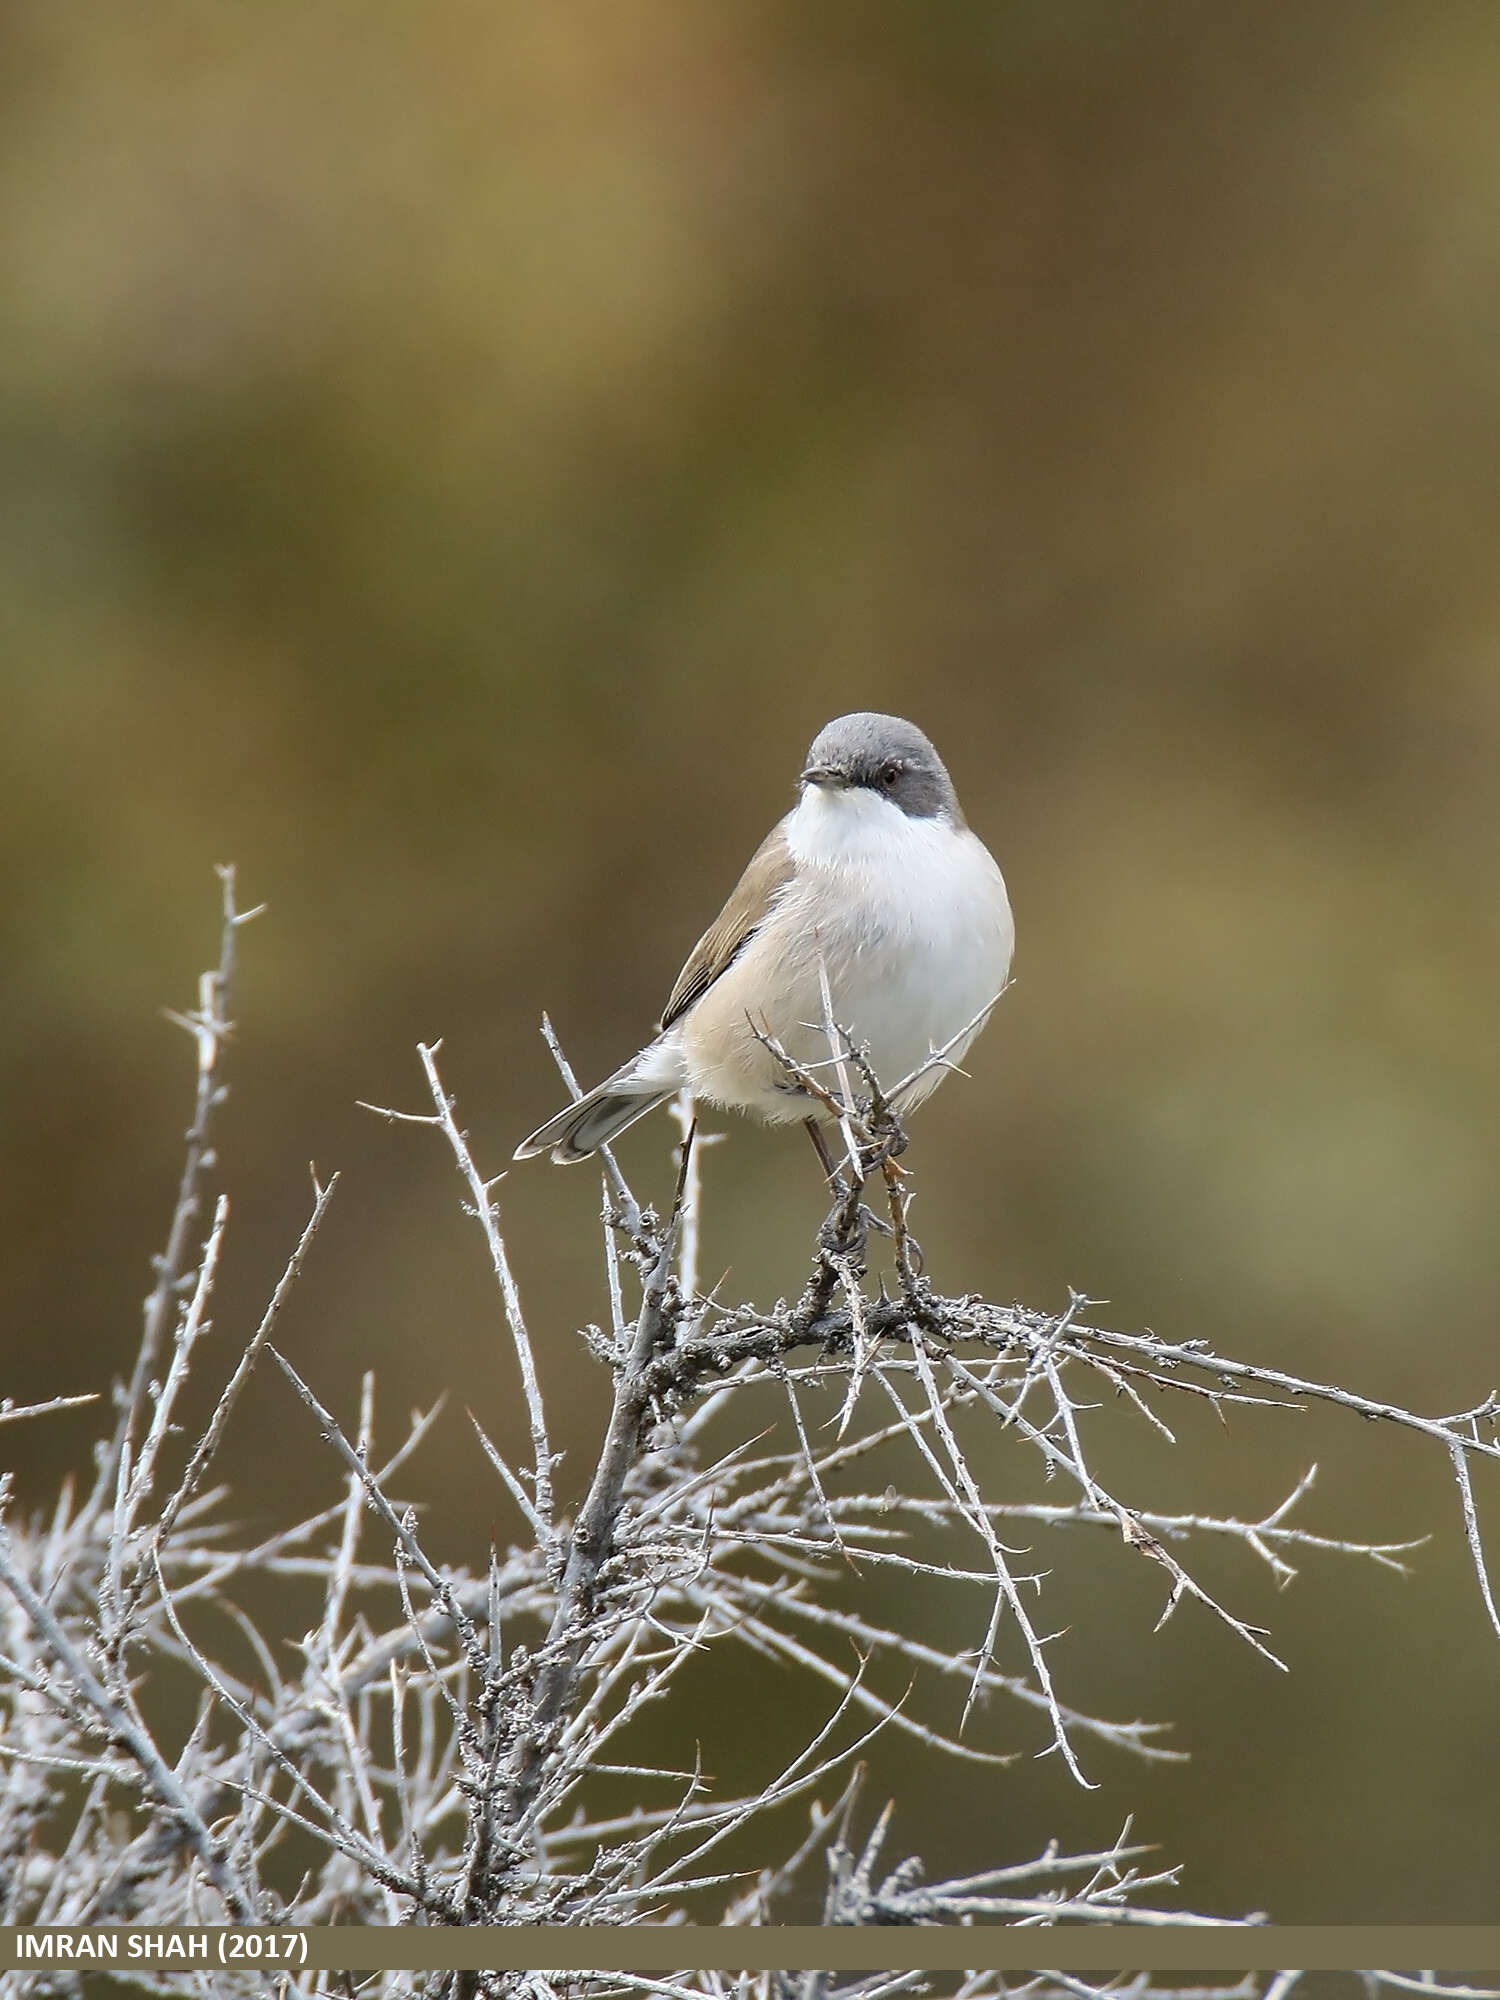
(890, 757)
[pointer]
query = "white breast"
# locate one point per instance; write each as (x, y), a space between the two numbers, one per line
(911, 921)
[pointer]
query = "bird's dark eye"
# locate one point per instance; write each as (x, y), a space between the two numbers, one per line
(890, 772)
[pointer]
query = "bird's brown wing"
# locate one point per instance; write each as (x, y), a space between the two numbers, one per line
(771, 867)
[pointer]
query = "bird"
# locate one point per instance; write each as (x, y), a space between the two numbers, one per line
(872, 894)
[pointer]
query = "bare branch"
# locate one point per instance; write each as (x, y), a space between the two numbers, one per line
(478, 1745)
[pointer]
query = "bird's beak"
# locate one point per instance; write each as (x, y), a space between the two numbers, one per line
(821, 774)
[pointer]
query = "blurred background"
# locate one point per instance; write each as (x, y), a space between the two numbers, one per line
(454, 460)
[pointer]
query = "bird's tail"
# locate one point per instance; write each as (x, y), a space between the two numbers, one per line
(592, 1122)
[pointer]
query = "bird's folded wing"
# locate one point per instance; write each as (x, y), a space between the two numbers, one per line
(771, 868)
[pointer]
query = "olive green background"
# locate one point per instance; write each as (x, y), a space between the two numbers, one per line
(453, 458)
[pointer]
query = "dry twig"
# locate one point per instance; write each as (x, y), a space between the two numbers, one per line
(453, 1742)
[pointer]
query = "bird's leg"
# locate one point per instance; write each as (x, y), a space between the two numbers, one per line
(836, 1178)
(830, 1172)
(840, 1262)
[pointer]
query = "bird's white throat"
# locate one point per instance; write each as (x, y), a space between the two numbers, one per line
(854, 827)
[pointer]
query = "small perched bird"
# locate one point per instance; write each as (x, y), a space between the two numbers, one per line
(872, 879)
